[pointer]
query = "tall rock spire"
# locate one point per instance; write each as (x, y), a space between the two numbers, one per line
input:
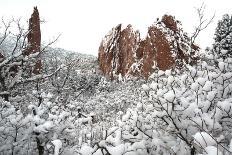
(34, 35)
(34, 38)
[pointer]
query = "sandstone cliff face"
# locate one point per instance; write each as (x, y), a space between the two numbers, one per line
(166, 46)
(34, 39)
(118, 50)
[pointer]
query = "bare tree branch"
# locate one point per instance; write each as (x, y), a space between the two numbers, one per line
(203, 22)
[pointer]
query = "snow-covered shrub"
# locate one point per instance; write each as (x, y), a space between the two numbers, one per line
(14, 129)
(179, 113)
(77, 78)
(40, 129)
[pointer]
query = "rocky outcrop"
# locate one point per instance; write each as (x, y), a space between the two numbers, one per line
(166, 46)
(34, 39)
(119, 47)
(34, 35)
(156, 52)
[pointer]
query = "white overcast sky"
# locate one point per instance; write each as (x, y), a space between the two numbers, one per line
(83, 23)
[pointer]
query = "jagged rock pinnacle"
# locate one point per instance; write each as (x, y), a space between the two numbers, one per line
(166, 46)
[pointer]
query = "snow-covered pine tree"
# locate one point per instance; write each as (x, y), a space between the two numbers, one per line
(223, 37)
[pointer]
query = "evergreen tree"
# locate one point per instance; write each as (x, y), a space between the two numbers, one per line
(223, 37)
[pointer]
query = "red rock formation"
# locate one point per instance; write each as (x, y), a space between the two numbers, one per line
(118, 47)
(170, 22)
(128, 42)
(109, 45)
(34, 39)
(157, 52)
(166, 46)
(34, 35)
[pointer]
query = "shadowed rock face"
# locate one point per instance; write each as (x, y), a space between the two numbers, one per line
(166, 46)
(34, 39)
(118, 47)
(107, 59)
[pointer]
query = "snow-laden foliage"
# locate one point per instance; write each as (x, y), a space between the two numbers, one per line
(179, 113)
(77, 77)
(59, 113)
(49, 126)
